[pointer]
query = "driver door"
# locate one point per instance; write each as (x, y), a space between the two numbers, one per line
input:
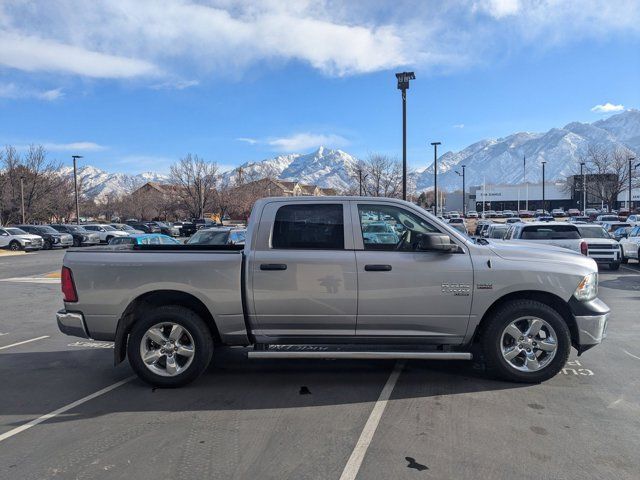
(404, 292)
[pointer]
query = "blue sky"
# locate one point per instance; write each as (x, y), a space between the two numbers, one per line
(134, 84)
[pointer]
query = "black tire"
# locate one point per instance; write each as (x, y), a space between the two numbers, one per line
(76, 242)
(108, 239)
(614, 266)
(624, 259)
(47, 245)
(187, 319)
(15, 246)
(492, 337)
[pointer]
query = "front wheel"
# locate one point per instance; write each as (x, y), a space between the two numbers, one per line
(614, 266)
(526, 341)
(14, 246)
(170, 346)
(76, 242)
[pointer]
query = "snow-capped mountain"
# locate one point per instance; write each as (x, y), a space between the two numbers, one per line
(97, 184)
(325, 167)
(502, 160)
(492, 160)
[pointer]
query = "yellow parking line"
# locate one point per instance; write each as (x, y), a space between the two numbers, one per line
(9, 253)
(55, 274)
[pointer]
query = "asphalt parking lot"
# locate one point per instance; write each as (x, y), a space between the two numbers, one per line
(315, 419)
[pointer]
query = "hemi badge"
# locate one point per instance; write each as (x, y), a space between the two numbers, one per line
(484, 286)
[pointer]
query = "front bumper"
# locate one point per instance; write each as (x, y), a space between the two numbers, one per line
(72, 323)
(591, 319)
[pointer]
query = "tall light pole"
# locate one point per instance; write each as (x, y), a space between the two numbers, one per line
(75, 185)
(631, 159)
(524, 176)
(584, 188)
(435, 173)
(464, 205)
(544, 203)
(22, 198)
(403, 85)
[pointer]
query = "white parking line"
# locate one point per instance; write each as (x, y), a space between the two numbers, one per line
(355, 460)
(630, 354)
(31, 280)
(630, 269)
(25, 341)
(66, 408)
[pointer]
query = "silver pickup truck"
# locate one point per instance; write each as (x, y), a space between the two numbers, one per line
(314, 280)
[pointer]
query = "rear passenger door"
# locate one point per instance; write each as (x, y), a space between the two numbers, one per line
(303, 270)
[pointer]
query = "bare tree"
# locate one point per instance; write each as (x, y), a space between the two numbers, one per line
(377, 176)
(194, 181)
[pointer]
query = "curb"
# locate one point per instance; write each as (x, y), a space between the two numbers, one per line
(8, 253)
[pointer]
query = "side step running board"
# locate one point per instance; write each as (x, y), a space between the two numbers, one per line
(362, 355)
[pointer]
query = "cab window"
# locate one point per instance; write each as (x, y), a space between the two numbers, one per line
(319, 226)
(387, 227)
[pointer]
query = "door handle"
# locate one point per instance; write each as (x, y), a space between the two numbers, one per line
(377, 268)
(273, 266)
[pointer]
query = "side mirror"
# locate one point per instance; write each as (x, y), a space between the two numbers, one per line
(436, 242)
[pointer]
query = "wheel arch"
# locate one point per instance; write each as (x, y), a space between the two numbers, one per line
(153, 299)
(550, 299)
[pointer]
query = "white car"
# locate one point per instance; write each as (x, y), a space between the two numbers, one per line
(472, 214)
(15, 239)
(631, 245)
(634, 220)
(106, 232)
(600, 246)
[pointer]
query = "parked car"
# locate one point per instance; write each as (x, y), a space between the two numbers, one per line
(461, 227)
(541, 213)
(620, 233)
(379, 233)
(623, 213)
(602, 219)
(81, 236)
(472, 214)
(307, 273)
(600, 246)
(186, 228)
(126, 228)
(15, 239)
(578, 219)
(144, 239)
(166, 228)
(105, 232)
(496, 231)
(457, 219)
(144, 227)
(50, 236)
(481, 228)
(545, 218)
(204, 223)
(573, 212)
(218, 236)
(613, 226)
(633, 220)
(489, 214)
(509, 214)
(631, 245)
(513, 220)
(559, 234)
(558, 212)
(525, 214)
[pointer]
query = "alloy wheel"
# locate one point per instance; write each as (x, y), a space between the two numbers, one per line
(167, 349)
(528, 344)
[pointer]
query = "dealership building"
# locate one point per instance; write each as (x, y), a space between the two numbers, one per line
(557, 194)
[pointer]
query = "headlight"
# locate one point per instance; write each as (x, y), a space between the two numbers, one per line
(56, 240)
(587, 288)
(84, 238)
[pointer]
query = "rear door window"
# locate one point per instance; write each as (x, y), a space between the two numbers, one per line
(310, 226)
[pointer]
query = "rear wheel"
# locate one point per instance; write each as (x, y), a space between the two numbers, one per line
(614, 266)
(76, 242)
(47, 245)
(14, 246)
(170, 346)
(108, 239)
(526, 341)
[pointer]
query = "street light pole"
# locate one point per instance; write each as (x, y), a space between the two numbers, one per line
(75, 185)
(435, 173)
(524, 170)
(403, 85)
(22, 197)
(584, 188)
(631, 159)
(464, 205)
(544, 203)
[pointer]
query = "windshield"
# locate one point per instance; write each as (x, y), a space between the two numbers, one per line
(593, 232)
(108, 228)
(46, 229)
(16, 231)
(209, 238)
(76, 228)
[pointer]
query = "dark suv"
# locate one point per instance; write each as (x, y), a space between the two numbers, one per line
(81, 236)
(52, 238)
(146, 227)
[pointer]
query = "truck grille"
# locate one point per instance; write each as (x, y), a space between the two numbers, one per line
(601, 246)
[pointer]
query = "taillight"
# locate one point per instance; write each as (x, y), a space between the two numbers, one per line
(584, 250)
(68, 287)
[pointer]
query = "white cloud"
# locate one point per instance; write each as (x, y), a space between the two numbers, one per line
(305, 141)
(499, 8)
(250, 141)
(34, 54)
(459, 125)
(607, 108)
(176, 85)
(74, 146)
(14, 92)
